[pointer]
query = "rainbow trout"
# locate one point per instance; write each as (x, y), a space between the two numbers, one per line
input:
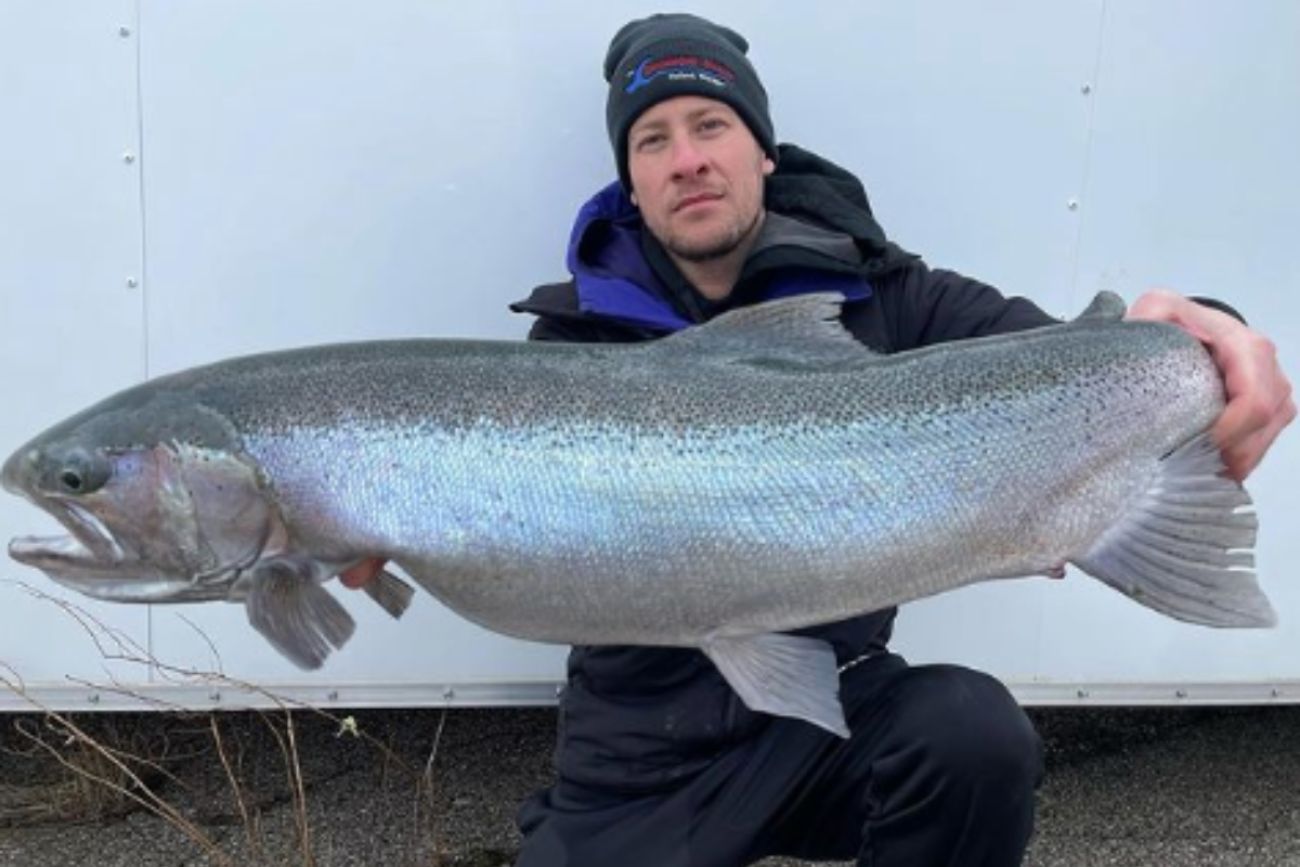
(714, 489)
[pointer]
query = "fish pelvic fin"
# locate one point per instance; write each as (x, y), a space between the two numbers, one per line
(390, 593)
(800, 331)
(784, 675)
(296, 614)
(1185, 548)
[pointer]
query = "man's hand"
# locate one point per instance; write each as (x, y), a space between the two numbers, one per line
(1259, 399)
(362, 574)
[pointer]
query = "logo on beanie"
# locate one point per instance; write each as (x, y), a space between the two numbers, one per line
(679, 67)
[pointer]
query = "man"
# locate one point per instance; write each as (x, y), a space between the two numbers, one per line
(658, 762)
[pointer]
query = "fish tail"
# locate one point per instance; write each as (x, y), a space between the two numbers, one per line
(1185, 548)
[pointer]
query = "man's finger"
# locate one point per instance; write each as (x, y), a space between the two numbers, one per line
(1249, 411)
(1259, 402)
(1242, 456)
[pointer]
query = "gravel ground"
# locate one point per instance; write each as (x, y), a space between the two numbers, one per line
(1167, 787)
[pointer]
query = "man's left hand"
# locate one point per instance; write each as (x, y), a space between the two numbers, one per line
(1259, 399)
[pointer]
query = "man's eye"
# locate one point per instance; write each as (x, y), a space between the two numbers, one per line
(648, 142)
(712, 124)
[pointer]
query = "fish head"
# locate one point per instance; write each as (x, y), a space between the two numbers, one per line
(159, 504)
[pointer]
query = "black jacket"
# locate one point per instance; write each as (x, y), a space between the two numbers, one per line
(637, 718)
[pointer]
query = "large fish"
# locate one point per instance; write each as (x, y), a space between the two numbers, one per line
(715, 488)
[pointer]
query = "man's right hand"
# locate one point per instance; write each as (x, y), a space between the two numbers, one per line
(362, 574)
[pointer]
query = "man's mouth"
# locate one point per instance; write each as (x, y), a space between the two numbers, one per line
(697, 199)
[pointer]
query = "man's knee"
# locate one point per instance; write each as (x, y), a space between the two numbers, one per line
(970, 730)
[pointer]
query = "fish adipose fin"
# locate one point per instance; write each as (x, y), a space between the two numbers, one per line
(1105, 307)
(296, 614)
(802, 331)
(1184, 548)
(391, 593)
(784, 675)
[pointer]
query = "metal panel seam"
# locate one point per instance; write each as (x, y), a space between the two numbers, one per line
(143, 260)
(1085, 178)
(233, 696)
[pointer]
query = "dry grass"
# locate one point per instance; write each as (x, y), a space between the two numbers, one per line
(195, 771)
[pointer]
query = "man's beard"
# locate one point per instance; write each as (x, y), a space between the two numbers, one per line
(712, 249)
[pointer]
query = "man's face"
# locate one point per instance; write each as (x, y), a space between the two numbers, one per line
(697, 176)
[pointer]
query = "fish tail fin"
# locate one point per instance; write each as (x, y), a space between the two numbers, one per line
(1185, 548)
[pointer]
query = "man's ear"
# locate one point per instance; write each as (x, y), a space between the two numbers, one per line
(768, 166)
(632, 198)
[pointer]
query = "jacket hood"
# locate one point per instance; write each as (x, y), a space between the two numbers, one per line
(815, 190)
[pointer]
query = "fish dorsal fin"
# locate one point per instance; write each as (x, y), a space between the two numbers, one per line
(803, 329)
(1104, 307)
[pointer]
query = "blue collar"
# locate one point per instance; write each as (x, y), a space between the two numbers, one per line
(615, 282)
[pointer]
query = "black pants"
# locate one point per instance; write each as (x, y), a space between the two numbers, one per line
(940, 770)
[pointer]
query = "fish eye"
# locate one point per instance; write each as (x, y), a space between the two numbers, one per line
(81, 473)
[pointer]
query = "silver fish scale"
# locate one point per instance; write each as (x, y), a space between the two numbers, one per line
(657, 495)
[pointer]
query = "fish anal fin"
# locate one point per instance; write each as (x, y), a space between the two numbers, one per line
(295, 613)
(784, 675)
(1184, 548)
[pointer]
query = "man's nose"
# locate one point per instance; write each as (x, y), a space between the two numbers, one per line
(688, 158)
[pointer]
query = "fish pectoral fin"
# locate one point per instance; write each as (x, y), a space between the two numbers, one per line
(785, 675)
(1184, 548)
(391, 593)
(296, 614)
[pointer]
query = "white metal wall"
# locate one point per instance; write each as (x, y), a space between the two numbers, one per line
(182, 182)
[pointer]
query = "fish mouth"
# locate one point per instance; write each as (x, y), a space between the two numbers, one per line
(91, 560)
(69, 562)
(54, 552)
(88, 559)
(91, 543)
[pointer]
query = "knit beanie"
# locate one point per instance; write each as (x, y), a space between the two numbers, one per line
(667, 55)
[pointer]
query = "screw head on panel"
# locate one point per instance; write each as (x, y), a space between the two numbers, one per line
(128, 157)
(131, 282)
(1072, 204)
(124, 31)
(1085, 89)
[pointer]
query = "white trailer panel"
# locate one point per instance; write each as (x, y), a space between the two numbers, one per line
(70, 266)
